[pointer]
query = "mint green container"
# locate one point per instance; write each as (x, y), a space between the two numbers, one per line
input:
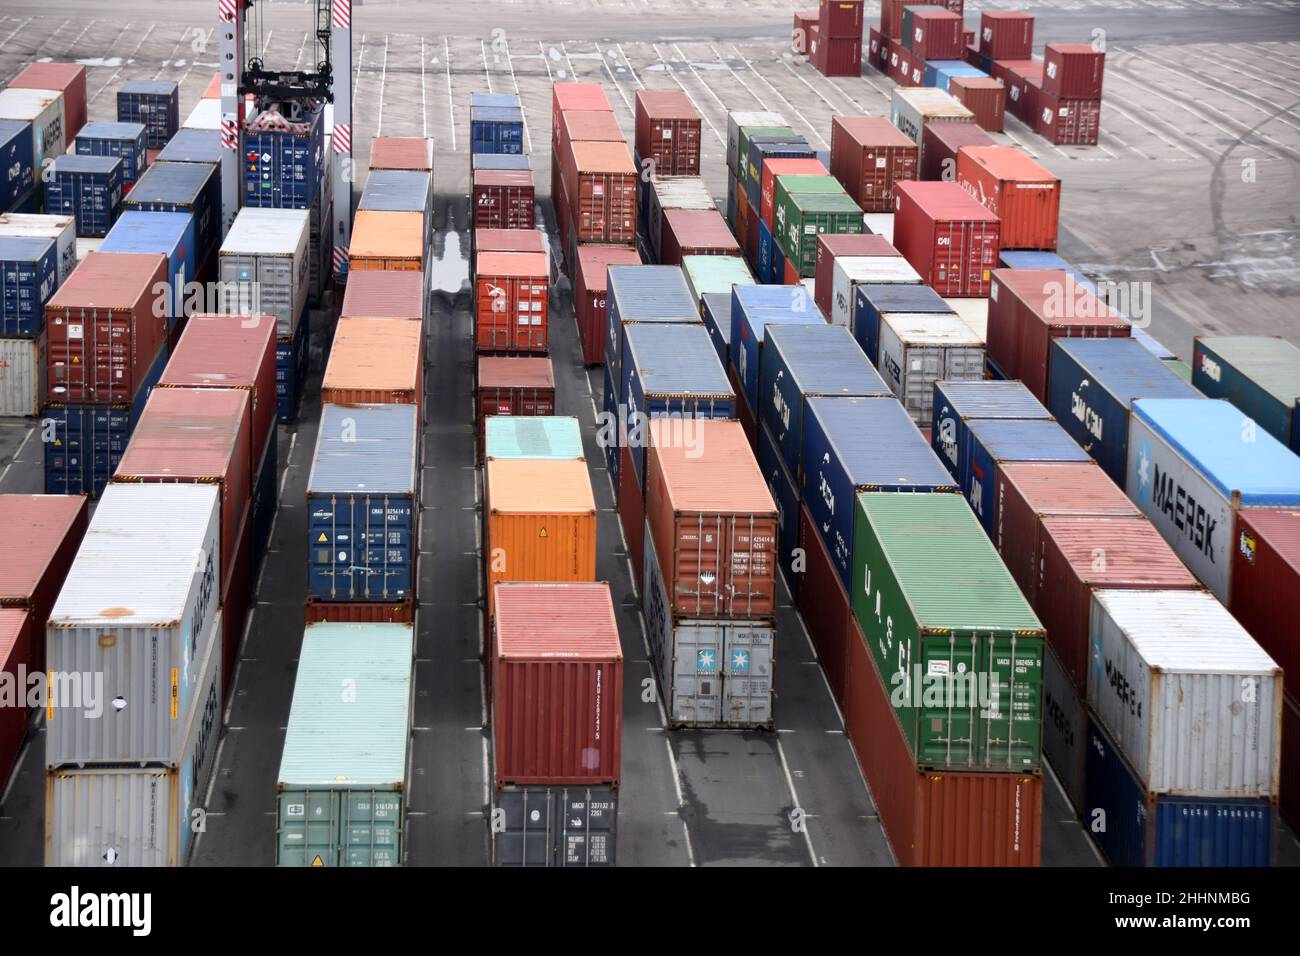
(527, 436)
(705, 274)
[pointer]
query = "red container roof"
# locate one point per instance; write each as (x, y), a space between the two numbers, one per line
(723, 479)
(934, 13)
(511, 371)
(40, 523)
(596, 260)
(945, 201)
(1035, 287)
(185, 433)
(603, 158)
(666, 104)
(1025, 69)
(1006, 15)
(873, 131)
(580, 96)
(866, 244)
(1073, 49)
(957, 135)
(109, 280)
(1110, 550)
(524, 265)
(1008, 163)
(220, 350)
(593, 126)
(503, 177)
(1067, 487)
(700, 227)
(384, 294)
(507, 240)
(556, 621)
(973, 83)
(401, 152)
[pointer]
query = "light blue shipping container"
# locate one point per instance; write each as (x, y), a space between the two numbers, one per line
(183, 187)
(172, 234)
(753, 309)
(939, 72)
(531, 436)
(958, 403)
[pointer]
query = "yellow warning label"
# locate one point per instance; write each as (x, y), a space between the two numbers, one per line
(322, 537)
(176, 694)
(318, 861)
(542, 533)
(49, 698)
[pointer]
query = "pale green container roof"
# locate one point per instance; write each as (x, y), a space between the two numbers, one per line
(705, 274)
(1270, 362)
(350, 722)
(542, 436)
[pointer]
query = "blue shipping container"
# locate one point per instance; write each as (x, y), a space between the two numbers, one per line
(716, 307)
(290, 369)
(183, 187)
(18, 164)
(785, 492)
(1035, 259)
(806, 361)
(610, 434)
(671, 371)
(29, 274)
(958, 403)
(860, 444)
(643, 294)
(362, 507)
(875, 299)
(939, 72)
(172, 234)
(753, 309)
(763, 267)
(154, 103)
(993, 441)
(1143, 829)
(1091, 384)
(496, 129)
(283, 164)
(193, 146)
(760, 152)
(89, 188)
(123, 140)
(266, 498)
(396, 190)
(778, 263)
(500, 161)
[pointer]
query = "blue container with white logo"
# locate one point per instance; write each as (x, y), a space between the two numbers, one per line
(362, 505)
(17, 165)
(194, 188)
(807, 361)
(290, 369)
(123, 140)
(29, 274)
(643, 294)
(283, 161)
(88, 188)
(763, 267)
(499, 161)
(871, 301)
(860, 444)
(172, 234)
(760, 151)
(956, 404)
(156, 104)
(611, 431)
(1091, 385)
(193, 146)
(939, 72)
(716, 309)
(496, 129)
(996, 441)
(753, 309)
(785, 492)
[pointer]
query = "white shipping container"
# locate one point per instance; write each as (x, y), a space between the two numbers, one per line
(975, 313)
(738, 118)
(880, 224)
(264, 258)
(917, 350)
(124, 816)
(1065, 727)
(913, 107)
(86, 245)
(135, 612)
(22, 375)
(62, 229)
(1189, 697)
(205, 115)
(44, 110)
(855, 270)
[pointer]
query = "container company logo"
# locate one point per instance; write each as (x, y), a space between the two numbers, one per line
(940, 685)
(1072, 299)
(48, 690)
(75, 909)
(1246, 545)
(630, 428)
(1086, 416)
(1175, 503)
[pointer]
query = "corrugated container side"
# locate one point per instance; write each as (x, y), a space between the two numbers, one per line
(263, 260)
(1265, 594)
(513, 385)
(1259, 374)
(948, 237)
(375, 361)
(69, 79)
(19, 634)
(1065, 726)
(827, 613)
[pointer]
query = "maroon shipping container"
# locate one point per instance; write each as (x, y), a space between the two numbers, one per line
(631, 512)
(236, 599)
(233, 352)
(891, 14)
(838, 56)
(695, 232)
(574, 96)
(936, 34)
(509, 240)
(513, 385)
(1065, 122)
(868, 155)
(391, 294)
(947, 236)
(1020, 192)
(748, 423)
(600, 187)
(1006, 35)
(103, 332)
(832, 245)
(69, 79)
(986, 97)
(50, 528)
(401, 152)
(503, 198)
(932, 818)
(840, 18)
(877, 51)
(18, 637)
(1030, 307)
(827, 613)
(1265, 594)
(1073, 71)
(1289, 799)
(589, 286)
(557, 685)
(804, 22)
(337, 612)
(751, 233)
(967, 40)
(587, 126)
(1023, 80)
(942, 141)
(668, 132)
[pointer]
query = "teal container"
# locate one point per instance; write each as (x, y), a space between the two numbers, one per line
(527, 436)
(705, 274)
(341, 791)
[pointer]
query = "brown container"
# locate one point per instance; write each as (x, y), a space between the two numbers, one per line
(668, 132)
(600, 185)
(840, 18)
(383, 294)
(695, 232)
(103, 333)
(824, 603)
(589, 126)
(1006, 35)
(315, 612)
(513, 385)
(236, 599)
(510, 240)
(713, 521)
(804, 21)
(17, 639)
(69, 79)
(1020, 192)
(631, 513)
(589, 290)
(891, 14)
(868, 155)
(837, 56)
(541, 522)
(1289, 799)
(503, 198)
(401, 152)
(982, 95)
(936, 34)
(50, 528)
(1265, 594)
(831, 246)
(511, 302)
(942, 142)
(387, 240)
(375, 362)
(1073, 71)
(573, 96)
(1066, 122)
(557, 686)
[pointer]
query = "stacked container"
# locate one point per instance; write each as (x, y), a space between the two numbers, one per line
(29, 276)
(1259, 374)
(40, 110)
(580, 113)
(942, 142)
(87, 187)
(127, 141)
(831, 246)
(153, 103)
(1070, 92)
(66, 79)
(18, 192)
(741, 214)
(754, 309)
(913, 110)
(514, 385)
(868, 155)
(836, 49)
(1021, 193)
(184, 187)
(667, 133)
(375, 362)
(512, 302)
(171, 234)
(663, 194)
(806, 206)
(949, 238)
(589, 295)
(873, 299)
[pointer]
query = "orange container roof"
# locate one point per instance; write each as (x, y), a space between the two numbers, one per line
(387, 235)
(374, 354)
(526, 265)
(708, 465)
(524, 486)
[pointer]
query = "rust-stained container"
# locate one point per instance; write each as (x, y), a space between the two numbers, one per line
(511, 301)
(513, 385)
(827, 613)
(18, 637)
(402, 152)
(984, 96)
(375, 362)
(782, 166)
(105, 327)
(868, 155)
(557, 685)
(1020, 192)
(577, 97)
(387, 240)
(339, 612)
(600, 183)
(1006, 34)
(503, 198)
(695, 232)
(1066, 122)
(541, 522)
(68, 79)
(589, 126)
(1073, 71)
(830, 246)
(712, 518)
(668, 132)
(942, 143)
(384, 294)
(947, 236)
(1265, 594)
(590, 285)
(50, 528)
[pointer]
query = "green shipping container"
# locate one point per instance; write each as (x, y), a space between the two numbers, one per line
(705, 274)
(740, 161)
(960, 649)
(341, 792)
(800, 216)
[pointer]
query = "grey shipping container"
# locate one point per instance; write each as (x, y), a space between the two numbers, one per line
(264, 259)
(554, 826)
(1065, 727)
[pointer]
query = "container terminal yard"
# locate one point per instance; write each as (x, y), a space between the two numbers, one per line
(883, 456)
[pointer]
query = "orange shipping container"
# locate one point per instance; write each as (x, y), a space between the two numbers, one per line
(511, 301)
(541, 522)
(375, 361)
(600, 183)
(1024, 195)
(387, 240)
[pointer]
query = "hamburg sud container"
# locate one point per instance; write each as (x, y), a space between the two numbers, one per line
(1091, 385)
(830, 247)
(1265, 588)
(868, 155)
(16, 153)
(918, 350)
(642, 294)
(503, 198)
(153, 103)
(600, 182)
(668, 132)
(183, 187)
(363, 527)
(841, 456)
(753, 310)
(375, 362)
(127, 141)
(29, 274)
(995, 441)
(851, 272)
(1259, 374)
(87, 187)
(170, 233)
(340, 794)
(1192, 464)
(589, 295)
(689, 232)
(874, 301)
(956, 404)
(801, 215)
(43, 109)
(511, 302)
(949, 238)
(1020, 192)
(545, 436)
(151, 652)
(513, 385)
(975, 643)
(708, 274)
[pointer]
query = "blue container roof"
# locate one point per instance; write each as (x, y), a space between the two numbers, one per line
(859, 428)
(1032, 259)
(1210, 433)
(826, 360)
(718, 305)
(676, 360)
(171, 182)
(889, 297)
(365, 450)
(11, 128)
(131, 131)
(73, 163)
(493, 99)
(193, 145)
(159, 87)
(24, 248)
(396, 190)
(1143, 338)
(496, 114)
(532, 436)
(955, 67)
(1018, 439)
(1126, 369)
(652, 294)
(140, 231)
(992, 399)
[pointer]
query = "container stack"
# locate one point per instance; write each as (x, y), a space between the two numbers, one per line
(126, 140)
(29, 264)
(87, 187)
(154, 103)
(836, 45)
(47, 102)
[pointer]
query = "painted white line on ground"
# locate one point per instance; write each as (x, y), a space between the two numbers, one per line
(451, 103)
(803, 119)
(424, 100)
(267, 45)
(623, 54)
(721, 59)
(383, 81)
(1112, 103)
(528, 137)
(721, 139)
(17, 454)
(1274, 110)
(301, 49)
(5, 41)
(171, 56)
(482, 46)
(77, 38)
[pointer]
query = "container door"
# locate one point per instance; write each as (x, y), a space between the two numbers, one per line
(696, 662)
(308, 828)
(275, 275)
(946, 269)
(586, 827)
(940, 723)
(522, 823)
(371, 828)
(922, 367)
(748, 654)
(1010, 731)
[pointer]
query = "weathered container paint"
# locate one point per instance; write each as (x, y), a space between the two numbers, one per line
(947, 236)
(918, 350)
(868, 155)
(16, 153)
(62, 230)
(873, 300)
(170, 233)
(183, 187)
(705, 274)
(127, 141)
(994, 442)
(753, 310)
(153, 103)
(590, 291)
(87, 187)
(849, 272)
(1258, 374)
(1065, 725)
(715, 308)
(555, 826)
(785, 494)
(29, 275)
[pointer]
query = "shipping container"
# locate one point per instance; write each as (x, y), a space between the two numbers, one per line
(504, 199)
(576, 96)
(513, 385)
(1266, 583)
(949, 238)
(388, 240)
(1073, 70)
(824, 606)
(984, 96)
(69, 79)
(799, 217)
(1020, 192)
(495, 100)
(1259, 374)
(496, 129)
(642, 294)
(87, 187)
(127, 141)
(713, 274)
(873, 301)
(170, 233)
(341, 789)
(687, 232)
(547, 436)
(831, 246)
(183, 187)
(918, 350)
(587, 126)
(716, 310)
(375, 362)
(61, 230)
(1289, 801)
(1065, 121)
(761, 151)
(785, 495)
(362, 496)
(487, 161)
(1006, 35)
(891, 14)
(783, 166)
(401, 152)
(850, 273)
(837, 56)
(738, 120)
(1191, 465)
(339, 612)
(1040, 259)
(399, 190)
(284, 160)
(263, 264)
(753, 310)
(747, 137)
(600, 182)
(941, 73)
(868, 155)
(290, 370)
(29, 275)
(193, 146)
(840, 18)
(911, 110)
(590, 295)
(43, 108)
(512, 294)
(19, 636)
(555, 826)
(16, 153)
(994, 442)
(155, 104)
(1065, 724)
(668, 132)
(932, 33)
(383, 294)
(664, 194)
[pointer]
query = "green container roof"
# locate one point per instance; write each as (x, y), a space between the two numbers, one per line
(351, 715)
(809, 183)
(1270, 362)
(945, 564)
(705, 274)
(813, 203)
(542, 436)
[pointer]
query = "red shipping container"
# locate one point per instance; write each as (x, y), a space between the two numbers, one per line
(695, 232)
(1004, 70)
(233, 352)
(390, 293)
(589, 288)
(947, 236)
(1020, 192)
(631, 513)
(236, 599)
(838, 56)
(831, 246)
(600, 185)
(1073, 71)
(18, 636)
(105, 327)
(511, 302)
(67, 78)
(804, 21)
(1023, 80)
(942, 141)
(783, 166)
(1265, 594)
(824, 603)
(1030, 307)
(1006, 35)
(557, 685)
(668, 132)
(362, 612)
(868, 155)
(574, 96)
(792, 277)
(986, 97)
(931, 818)
(402, 152)
(513, 385)
(967, 40)
(936, 34)
(877, 49)
(560, 203)
(31, 576)
(840, 18)
(588, 126)
(1289, 799)
(503, 198)
(1066, 122)
(891, 14)
(509, 240)
(713, 521)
